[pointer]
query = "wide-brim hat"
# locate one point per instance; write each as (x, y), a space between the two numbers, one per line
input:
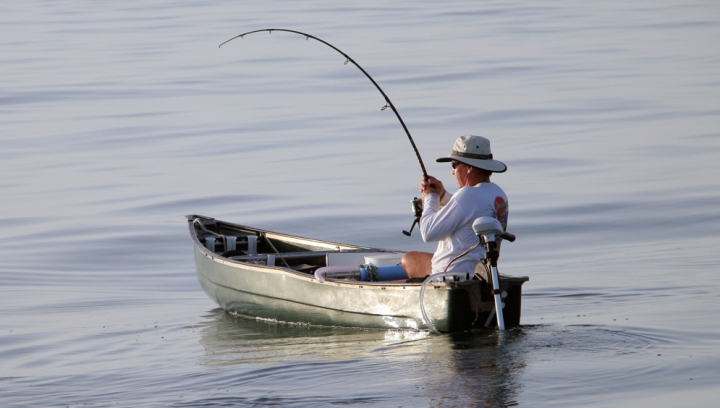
(474, 151)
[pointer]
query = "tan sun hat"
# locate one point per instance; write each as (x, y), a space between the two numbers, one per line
(474, 151)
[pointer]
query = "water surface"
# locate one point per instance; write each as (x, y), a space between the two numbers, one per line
(117, 120)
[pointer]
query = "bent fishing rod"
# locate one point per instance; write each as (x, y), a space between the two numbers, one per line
(388, 103)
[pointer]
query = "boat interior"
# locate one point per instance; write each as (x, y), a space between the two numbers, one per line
(259, 247)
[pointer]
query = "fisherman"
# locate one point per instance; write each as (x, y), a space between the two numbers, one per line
(448, 218)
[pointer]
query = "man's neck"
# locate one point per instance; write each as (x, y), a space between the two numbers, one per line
(474, 179)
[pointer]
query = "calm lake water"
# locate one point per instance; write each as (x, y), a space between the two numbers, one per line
(116, 120)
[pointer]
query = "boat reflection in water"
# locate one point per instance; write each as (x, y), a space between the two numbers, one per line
(488, 365)
(277, 362)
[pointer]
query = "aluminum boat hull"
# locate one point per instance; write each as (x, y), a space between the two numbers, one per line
(248, 287)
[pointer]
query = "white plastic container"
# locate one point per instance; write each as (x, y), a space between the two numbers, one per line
(252, 244)
(384, 259)
(210, 243)
(230, 243)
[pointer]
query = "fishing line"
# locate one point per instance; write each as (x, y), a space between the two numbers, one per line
(388, 103)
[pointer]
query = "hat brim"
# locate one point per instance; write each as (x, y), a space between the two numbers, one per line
(494, 166)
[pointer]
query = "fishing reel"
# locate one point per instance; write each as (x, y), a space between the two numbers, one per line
(417, 210)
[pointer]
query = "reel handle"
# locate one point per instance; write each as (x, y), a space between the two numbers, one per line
(408, 233)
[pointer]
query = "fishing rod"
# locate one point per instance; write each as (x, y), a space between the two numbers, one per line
(388, 103)
(417, 211)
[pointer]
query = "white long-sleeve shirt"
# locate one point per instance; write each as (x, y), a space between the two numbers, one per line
(450, 223)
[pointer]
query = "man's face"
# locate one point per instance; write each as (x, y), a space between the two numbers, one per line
(460, 171)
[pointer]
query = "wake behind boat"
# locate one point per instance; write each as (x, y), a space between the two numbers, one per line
(264, 274)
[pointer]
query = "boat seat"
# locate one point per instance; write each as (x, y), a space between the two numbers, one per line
(243, 256)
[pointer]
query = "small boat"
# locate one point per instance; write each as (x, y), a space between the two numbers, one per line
(263, 274)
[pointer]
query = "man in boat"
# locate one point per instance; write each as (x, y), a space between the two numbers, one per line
(448, 218)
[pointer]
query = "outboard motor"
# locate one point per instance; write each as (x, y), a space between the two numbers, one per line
(488, 229)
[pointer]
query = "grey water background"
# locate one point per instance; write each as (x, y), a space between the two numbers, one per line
(117, 119)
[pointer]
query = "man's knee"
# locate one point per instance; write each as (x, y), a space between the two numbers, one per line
(417, 264)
